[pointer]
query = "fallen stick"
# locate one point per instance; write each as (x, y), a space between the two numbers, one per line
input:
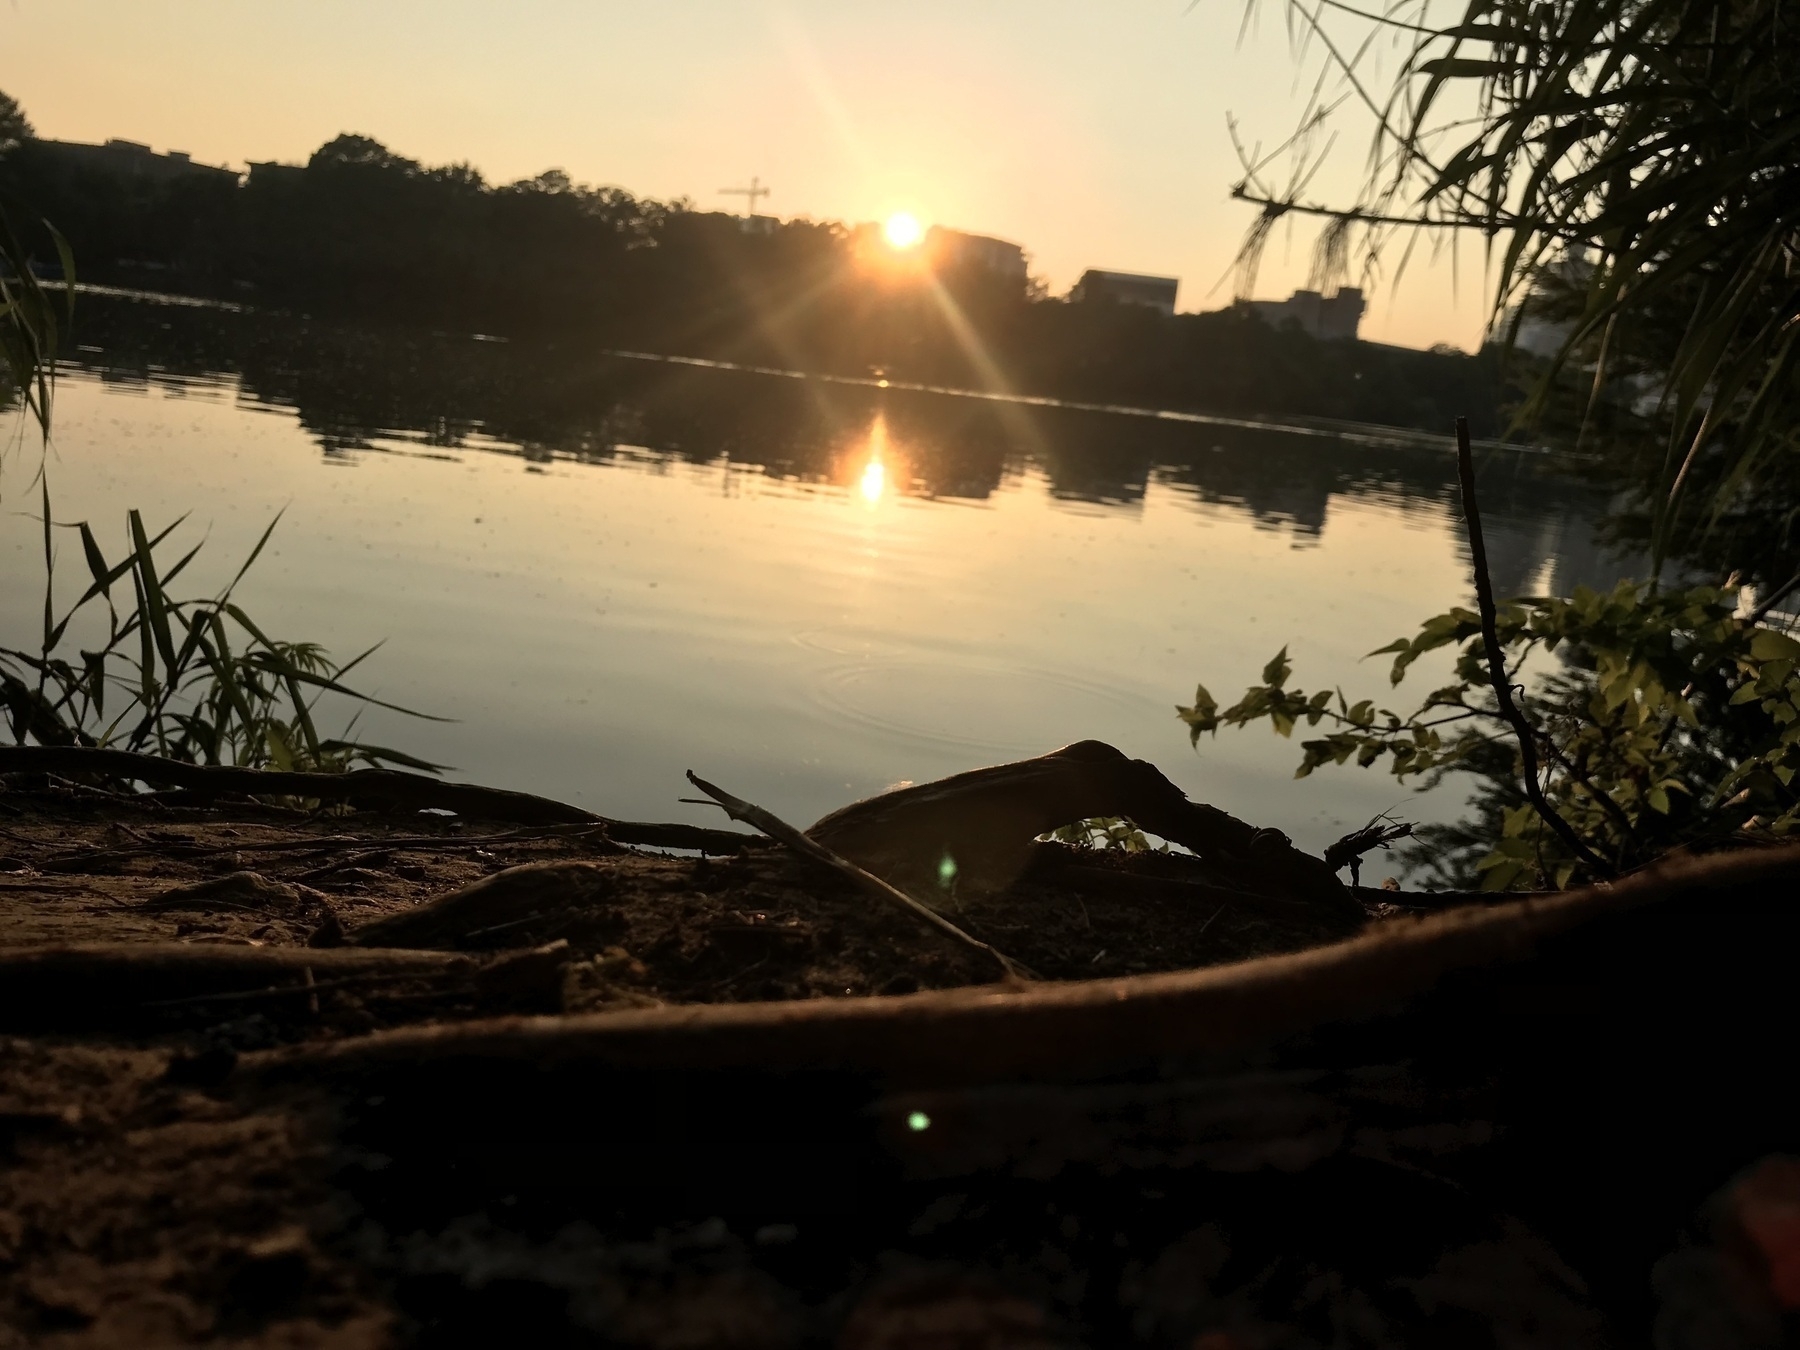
(782, 832)
(383, 785)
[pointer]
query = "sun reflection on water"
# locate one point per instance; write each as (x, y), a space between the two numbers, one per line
(873, 478)
(874, 481)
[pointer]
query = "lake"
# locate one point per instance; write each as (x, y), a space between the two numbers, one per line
(609, 570)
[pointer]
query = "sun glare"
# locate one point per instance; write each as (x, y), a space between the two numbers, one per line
(874, 480)
(903, 230)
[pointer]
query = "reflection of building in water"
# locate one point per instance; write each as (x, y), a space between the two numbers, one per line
(1549, 548)
(1126, 288)
(1324, 316)
(129, 159)
(954, 249)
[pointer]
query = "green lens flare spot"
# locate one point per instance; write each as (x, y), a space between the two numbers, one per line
(946, 871)
(918, 1121)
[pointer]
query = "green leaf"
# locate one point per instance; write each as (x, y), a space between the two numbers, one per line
(1768, 645)
(1276, 672)
(155, 603)
(103, 575)
(379, 753)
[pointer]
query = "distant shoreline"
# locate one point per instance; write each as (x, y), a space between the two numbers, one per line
(1360, 433)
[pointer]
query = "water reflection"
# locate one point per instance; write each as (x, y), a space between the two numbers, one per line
(357, 392)
(820, 588)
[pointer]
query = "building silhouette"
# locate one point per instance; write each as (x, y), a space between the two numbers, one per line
(1126, 288)
(264, 172)
(129, 160)
(1324, 316)
(954, 249)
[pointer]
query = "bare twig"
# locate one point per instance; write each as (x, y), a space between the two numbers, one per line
(778, 829)
(1242, 193)
(1490, 637)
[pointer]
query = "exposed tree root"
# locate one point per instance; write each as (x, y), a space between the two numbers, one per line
(1101, 1026)
(121, 984)
(983, 822)
(385, 786)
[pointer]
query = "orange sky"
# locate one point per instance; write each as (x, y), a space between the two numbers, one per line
(1093, 133)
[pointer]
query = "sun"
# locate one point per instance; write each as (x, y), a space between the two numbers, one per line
(903, 230)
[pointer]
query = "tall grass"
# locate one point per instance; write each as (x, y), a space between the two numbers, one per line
(193, 679)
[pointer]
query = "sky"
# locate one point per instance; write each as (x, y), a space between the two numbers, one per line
(1093, 132)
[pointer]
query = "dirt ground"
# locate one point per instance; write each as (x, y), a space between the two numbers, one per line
(148, 1198)
(279, 1079)
(762, 924)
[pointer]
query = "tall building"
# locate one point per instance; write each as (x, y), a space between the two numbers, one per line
(128, 159)
(1324, 316)
(1126, 288)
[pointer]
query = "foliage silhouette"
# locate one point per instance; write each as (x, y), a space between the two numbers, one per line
(363, 233)
(1635, 161)
(1672, 721)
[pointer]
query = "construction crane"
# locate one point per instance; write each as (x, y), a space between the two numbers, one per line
(755, 190)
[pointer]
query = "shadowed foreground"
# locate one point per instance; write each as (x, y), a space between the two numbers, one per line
(586, 1095)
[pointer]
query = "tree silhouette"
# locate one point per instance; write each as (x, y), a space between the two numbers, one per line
(349, 150)
(363, 233)
(14, 125)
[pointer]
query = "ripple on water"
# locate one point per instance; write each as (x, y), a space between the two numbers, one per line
(977, 705)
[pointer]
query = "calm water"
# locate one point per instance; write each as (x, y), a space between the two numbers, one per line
(611, 571)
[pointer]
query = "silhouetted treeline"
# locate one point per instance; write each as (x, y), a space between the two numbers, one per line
(361, 233)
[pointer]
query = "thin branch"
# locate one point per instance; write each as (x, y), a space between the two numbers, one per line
(1627, 831)
(1490, 636)
(779, 830)
(1242, 193)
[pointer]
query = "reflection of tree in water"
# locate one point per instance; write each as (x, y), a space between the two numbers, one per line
(353, 389)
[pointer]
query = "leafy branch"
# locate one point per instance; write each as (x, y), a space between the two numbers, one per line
(1667, 720)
